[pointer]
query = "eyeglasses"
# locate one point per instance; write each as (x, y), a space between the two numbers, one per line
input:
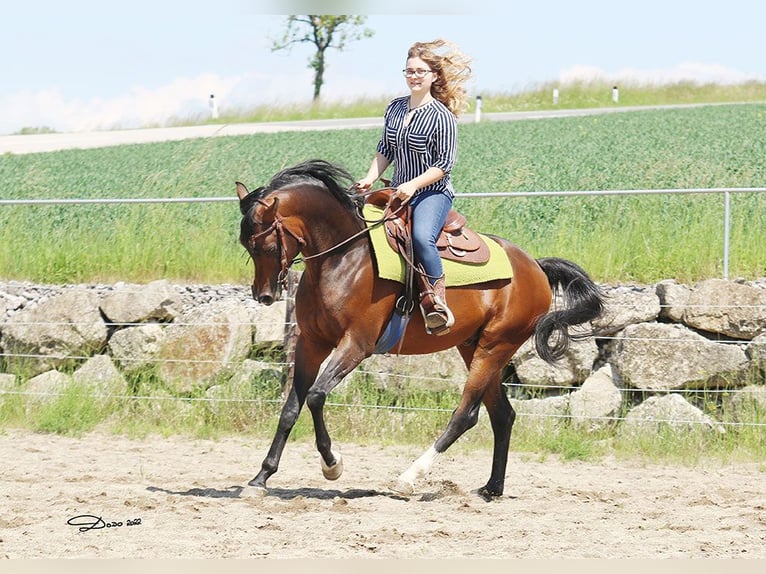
(415, 73)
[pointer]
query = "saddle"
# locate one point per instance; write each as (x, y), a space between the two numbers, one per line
(456, 242)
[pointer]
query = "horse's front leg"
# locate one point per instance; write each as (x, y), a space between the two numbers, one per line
(344, 359)
(307, 363)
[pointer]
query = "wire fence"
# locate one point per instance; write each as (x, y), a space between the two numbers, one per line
(286, 365)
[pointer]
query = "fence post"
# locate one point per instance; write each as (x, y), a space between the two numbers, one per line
(726, 216)
(291, 331)
(213, 107)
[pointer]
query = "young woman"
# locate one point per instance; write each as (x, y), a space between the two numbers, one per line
(420, 139)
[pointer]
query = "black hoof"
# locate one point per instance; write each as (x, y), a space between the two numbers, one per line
(257, 482)
(489, 494)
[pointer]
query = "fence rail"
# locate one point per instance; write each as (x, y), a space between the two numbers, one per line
(725, 191)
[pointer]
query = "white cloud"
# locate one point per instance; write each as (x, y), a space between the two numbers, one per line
(140, 107)
(686, 71)
(184, 98)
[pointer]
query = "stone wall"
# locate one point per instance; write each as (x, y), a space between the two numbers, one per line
(656, 349)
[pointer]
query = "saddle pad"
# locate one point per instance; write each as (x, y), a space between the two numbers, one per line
(391, 265)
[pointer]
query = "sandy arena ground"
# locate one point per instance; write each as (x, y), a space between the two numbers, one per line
(188, 499)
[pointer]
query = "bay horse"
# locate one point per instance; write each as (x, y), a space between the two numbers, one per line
(342, 307)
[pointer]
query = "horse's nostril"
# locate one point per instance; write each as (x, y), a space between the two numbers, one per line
(265, 299)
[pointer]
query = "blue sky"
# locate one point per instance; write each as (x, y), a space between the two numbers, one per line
(79, 65)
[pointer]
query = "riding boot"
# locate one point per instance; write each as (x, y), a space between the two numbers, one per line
(433, 304)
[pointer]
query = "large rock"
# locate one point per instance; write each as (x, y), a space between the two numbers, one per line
(156, 301)
(656, 356)
(46, 387)
(100, 378)
(672, 411)
(545, 413)
(756, 351)
(440, 371)
(726, 307)
(748, 404)
(205, 345)
(56, 333)
(596, 404)
(571, 370)
(674, 299)
(269, 321)
(627, 305)
(137, 348)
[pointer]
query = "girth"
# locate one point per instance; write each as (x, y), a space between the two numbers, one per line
(455, 242)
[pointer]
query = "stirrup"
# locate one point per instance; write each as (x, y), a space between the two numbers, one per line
(437, 316)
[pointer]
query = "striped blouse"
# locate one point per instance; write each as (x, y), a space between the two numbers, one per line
(430, 140)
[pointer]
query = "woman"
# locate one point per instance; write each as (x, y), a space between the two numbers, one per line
(420, 139)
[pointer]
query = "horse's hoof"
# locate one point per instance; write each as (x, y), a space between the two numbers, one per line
(403, 487)
(332, 472)
(253, 492)
(488, 495)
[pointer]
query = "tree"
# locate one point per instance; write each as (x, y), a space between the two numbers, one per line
(323, 32)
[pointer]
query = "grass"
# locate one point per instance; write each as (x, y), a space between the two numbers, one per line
(616, 238)
(414, 418)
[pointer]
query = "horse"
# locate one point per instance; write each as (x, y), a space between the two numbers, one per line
(342, 307)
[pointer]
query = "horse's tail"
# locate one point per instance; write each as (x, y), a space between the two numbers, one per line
(583, 300)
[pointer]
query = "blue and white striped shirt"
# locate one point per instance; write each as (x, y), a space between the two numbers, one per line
(430, 140)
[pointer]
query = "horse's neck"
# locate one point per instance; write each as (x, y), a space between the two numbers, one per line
(326, 224)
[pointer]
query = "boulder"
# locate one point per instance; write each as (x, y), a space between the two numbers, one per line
(627, 305)
(56, 333)
(682, 360)
(204, 345)
(571, 370)
(726, 307)
(100, 378)
(156, 301)
(136, 348)
(46, 387)
(596, 404)
(671, 410)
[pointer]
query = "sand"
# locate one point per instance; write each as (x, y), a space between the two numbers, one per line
(185, 498)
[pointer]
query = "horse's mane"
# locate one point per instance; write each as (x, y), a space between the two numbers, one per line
(335, 178)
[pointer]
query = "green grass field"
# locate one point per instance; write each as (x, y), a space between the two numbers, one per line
(616, 238)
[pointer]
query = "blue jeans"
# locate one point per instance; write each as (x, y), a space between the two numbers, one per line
(429, 212)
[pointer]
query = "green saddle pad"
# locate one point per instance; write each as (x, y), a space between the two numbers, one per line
(391, 265)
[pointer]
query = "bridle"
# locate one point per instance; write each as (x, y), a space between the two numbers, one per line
(278, 226)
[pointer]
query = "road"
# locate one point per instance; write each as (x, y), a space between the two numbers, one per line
(38, 143)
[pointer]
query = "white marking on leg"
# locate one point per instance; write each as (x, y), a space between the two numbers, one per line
(405, 484)
(332, 472)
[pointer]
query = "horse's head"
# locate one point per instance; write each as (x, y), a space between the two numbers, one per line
(270, 244)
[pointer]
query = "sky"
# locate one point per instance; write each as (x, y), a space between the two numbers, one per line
(80, 65)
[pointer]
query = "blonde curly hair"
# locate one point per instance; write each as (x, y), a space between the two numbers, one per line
(452, 69)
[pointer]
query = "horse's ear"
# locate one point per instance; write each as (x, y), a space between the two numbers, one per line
(270, 213)
(242, 191)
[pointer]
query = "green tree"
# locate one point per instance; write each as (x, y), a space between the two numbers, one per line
(323, 32)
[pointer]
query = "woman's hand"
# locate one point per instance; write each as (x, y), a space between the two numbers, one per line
(405, 191)
(365, 183)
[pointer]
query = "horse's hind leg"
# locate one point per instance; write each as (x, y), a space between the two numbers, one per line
(483, 385)
(465, 416)
(502, 417)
